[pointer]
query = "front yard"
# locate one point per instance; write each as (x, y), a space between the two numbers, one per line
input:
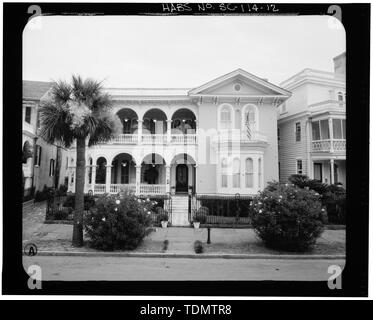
(57, 237)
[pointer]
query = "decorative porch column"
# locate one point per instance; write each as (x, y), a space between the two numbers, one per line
(331, 134)
(332, 171)
(93, 178)
(139, 130)
(168, 180)
(169, 130)
(138, 179)
(108, 178)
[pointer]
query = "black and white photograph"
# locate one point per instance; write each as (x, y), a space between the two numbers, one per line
(185, 147)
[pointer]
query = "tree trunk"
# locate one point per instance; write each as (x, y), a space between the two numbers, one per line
(58, 168)
(79, 193)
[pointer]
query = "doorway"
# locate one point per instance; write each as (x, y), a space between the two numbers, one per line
(317, 171)
(181, 178)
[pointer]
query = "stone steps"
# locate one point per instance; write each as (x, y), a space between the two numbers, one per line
(180, 211)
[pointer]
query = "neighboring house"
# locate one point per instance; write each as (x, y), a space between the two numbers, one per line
(312, 125)
(219, 138)
(40, 169)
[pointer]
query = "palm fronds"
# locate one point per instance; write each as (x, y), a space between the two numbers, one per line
(65, 117)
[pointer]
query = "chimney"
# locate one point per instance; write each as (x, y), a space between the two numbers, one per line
(340, 64)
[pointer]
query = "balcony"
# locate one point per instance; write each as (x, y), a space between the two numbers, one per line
(154, 139)
(335, 145)
(145, 189)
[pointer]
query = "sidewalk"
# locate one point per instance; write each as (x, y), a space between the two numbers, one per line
(57, 238)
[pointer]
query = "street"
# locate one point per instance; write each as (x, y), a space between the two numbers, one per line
(137, 269)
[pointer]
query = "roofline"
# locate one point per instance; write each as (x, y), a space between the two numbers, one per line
(230, 74)
(306, 69)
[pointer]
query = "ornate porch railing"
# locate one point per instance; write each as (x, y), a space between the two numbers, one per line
(115, 188)
(152, 189)
(125, 138)
(154, 138)
(339, 145)
(184, 138)
(99, 188)
(326, 145)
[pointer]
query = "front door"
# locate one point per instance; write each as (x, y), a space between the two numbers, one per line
(182, 178)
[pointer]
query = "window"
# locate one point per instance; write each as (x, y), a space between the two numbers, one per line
(316, 130)
(226, 118)
(51, 167)
(278, 134)
(320, 130)
(339, 129)
(297, 131)
(249, 173)
(37, 155)
(299, 167)
(28, 115)
(259, 173)
(324, 128)
(224, 175)
(236, 173)
(340, 96)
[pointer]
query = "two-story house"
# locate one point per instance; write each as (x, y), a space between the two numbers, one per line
(219, 138)
(312, 125)
(40, 169)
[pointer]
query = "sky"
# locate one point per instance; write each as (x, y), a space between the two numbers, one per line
(177, 51)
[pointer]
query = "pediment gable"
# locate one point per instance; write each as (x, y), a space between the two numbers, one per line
(239, 83)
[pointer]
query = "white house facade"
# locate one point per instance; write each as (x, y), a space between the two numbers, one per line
(312, 125)
(219, 139)
(41, 168)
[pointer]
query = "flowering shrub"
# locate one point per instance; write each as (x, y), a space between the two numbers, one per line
(287, 217)
(118, 221)
(333, 197)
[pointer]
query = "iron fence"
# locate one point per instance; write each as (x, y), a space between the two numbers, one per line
(163, 205)
(224, 210)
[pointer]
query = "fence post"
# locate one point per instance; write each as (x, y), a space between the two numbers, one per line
(208, 235)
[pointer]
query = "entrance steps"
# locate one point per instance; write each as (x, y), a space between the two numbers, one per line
(180, 210)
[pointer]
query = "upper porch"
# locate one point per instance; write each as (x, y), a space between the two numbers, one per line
(155, 120)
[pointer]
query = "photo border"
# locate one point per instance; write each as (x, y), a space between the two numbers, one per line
(356, 20)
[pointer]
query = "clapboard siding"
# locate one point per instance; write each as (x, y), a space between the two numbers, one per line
(291, 150)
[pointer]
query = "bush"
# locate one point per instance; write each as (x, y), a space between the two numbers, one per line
(162, 217)
(198, 246)
(333, 197)
(334, 200)
(200, 217)
(287, 217)
(46, 194)
(61, 191)
(89, 201)
(61, 215)
(117, 222)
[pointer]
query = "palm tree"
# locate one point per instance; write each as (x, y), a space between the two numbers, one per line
(77, 112)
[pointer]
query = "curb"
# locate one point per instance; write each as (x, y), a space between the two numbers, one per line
(191, 256)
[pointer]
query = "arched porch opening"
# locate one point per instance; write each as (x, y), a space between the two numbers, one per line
(129, 120)
(100, 171)
(153, 169)
(123, 173)
(154, 122)
(183, 122)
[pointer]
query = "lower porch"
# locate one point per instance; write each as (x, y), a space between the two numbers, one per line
(330, 171)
